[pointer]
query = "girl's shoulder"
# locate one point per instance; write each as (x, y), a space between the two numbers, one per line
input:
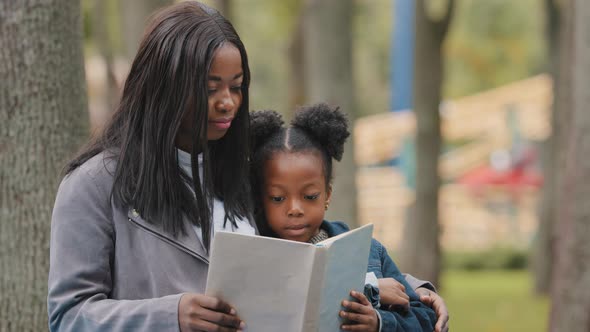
(334, 227)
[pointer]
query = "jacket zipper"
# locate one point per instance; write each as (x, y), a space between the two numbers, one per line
(169, 241)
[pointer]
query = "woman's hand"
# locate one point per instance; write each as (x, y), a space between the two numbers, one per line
(392, 294)
(362, 314)
(198, 312)
(433, 300)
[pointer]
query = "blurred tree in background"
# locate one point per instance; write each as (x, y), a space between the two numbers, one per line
(570, 293)
(327, 58)
(43, 119)
(106, 47)
(542, 255)
(420, 249)
(493, 42)
(134, 16)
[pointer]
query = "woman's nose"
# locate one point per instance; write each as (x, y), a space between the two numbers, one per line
(225, 103)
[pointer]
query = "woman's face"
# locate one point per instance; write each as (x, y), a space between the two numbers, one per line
(224, 87)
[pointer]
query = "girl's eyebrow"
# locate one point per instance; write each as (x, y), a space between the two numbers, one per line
(218, 79)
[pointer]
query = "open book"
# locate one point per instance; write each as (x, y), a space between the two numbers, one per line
(281, 285)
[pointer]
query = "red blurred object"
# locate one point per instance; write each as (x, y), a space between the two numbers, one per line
(514, 178)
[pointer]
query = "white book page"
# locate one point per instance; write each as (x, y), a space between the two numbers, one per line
(265, 279)
(346, 263)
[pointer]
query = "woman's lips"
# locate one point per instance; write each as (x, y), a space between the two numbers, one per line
(221, 123)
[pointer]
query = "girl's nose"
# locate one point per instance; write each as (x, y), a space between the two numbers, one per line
(295, 210)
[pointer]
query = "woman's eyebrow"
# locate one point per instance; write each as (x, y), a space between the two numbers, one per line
(218, 78)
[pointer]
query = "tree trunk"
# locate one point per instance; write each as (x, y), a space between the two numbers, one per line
(542, 260)
(420, 254)
(570, 292)
(297, 64)
(327, 47)
(134, 17)
(43, 117)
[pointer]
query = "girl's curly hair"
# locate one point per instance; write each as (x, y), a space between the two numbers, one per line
(318, 128)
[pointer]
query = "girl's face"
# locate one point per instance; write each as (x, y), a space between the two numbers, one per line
(294, 194)
(224, 86)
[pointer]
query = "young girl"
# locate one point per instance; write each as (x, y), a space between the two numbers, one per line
(291, 180)
(136, 211)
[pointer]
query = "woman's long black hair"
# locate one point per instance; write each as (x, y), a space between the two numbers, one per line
(168, 77)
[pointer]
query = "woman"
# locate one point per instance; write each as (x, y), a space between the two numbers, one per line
(135, 213)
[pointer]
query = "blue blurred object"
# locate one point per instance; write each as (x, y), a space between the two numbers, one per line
(402, 55)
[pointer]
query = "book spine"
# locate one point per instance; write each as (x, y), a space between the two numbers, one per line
(311, 318)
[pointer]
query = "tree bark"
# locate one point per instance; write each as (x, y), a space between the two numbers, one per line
(420, 253)
(297, 64)
(327, 47)
(43, 117)
(135, 15)
(571, 276)
(542, 260)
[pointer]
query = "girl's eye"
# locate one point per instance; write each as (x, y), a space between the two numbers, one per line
(312, 197)
(211, 91)
(236, 88)
(277, 199)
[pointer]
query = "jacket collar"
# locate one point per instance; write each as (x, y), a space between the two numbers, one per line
(334, 227)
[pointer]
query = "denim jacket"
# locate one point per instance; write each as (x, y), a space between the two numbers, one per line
(420, 317)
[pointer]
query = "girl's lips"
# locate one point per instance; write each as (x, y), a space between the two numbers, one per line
(296, 230)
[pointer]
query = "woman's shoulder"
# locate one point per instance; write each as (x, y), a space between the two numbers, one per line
(99, 169)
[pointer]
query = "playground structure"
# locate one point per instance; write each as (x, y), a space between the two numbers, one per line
(473, 215)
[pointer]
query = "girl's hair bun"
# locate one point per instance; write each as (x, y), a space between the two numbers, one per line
(262, 125)
(326, 124)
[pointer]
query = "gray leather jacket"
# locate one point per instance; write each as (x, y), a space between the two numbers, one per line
(110, 270)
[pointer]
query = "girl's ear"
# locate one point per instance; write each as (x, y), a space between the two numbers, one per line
(329, 193)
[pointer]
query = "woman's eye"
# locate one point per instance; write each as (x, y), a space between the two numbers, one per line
(277, 199)
(211, 91)
(312, 197)
(236, 88)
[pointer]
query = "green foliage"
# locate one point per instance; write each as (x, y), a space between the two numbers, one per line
(493, 301)
(111, 20)
(493, 42)
(492, 259)
(266, 28)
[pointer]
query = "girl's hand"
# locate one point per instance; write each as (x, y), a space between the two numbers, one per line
(392, 294)
(362, 315)
(198, 312)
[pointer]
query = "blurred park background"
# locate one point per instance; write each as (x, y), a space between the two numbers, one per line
(469, 135)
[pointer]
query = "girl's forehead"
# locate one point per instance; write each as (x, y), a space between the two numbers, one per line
(311, 155)
(294, 164)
